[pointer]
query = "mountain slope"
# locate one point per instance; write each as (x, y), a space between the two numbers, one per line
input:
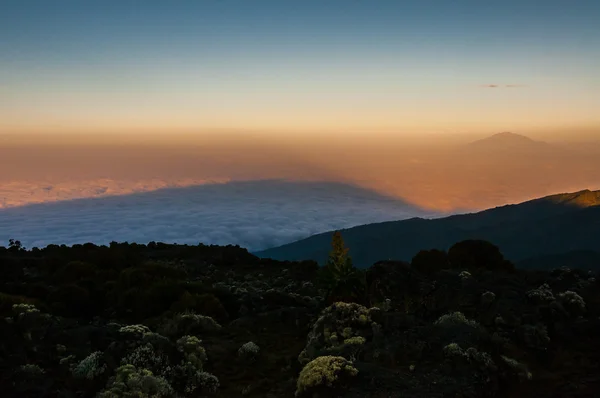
(550, 225)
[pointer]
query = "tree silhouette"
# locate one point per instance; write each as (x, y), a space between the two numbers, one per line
(341, 280)
(15, 245)
(338, 257)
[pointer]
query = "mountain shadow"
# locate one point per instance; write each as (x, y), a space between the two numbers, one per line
(252, 214)
(550, 225)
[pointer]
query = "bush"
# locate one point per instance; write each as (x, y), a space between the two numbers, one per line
(455, 318)
(430, 261)
(477, 255)
(90, 367)
(149, 301)
(192, 349)
(145, 357)
(132, 382)
(205, 304)
(187, 378)
(70, 300)
(249, 350)
(572, 302)
(7, 301)
(324, 373)
(74, 271)
(336, 324)
(189, 324)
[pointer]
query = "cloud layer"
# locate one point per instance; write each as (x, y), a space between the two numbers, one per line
(255, 215)
(20, 193)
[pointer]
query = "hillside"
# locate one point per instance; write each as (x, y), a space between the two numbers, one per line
(174, 321)
(551, 225)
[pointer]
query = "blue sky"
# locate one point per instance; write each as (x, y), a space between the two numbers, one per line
(299, 66)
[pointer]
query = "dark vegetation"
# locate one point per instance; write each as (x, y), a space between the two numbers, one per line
(161, 320)
(554, 225)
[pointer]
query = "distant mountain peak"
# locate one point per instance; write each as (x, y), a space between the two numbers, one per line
(507, 135)
(506, 138)
(507, 141)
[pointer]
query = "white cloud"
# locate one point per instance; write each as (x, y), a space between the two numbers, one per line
(255, 215)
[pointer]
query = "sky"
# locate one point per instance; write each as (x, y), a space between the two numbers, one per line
(298, 68)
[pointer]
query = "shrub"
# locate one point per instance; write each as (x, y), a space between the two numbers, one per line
(324, 372)
(572, 302)
(132, 382)
(145, 357)
(488, 297)
(74, 271)
(205, 304)
(192, 350)
(70, 300)
(7, 301)
(430, 261)
(517, 368)
(478, 254)
(31, 371)
(534, 336)
(155, 299)
(249, 350)
(464, 275)
(187, 378)
(136, 332)
(90, 367)
(188, 324)
(455, 318)
(542, 294)
(337, 323)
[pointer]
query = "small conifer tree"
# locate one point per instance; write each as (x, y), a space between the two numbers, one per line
(339, 259)
(339, 277)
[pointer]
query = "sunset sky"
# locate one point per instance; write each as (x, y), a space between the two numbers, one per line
(299, 67)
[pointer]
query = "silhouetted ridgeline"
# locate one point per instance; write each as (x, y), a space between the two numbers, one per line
(553, 225)
(163, 320)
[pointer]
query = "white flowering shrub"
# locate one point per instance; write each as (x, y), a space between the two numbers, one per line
(535, 336)
(187, 378)
(188, 324)
(135, 331)
(203, 381)
(338, 322)
(326, 371)
(249, 350)
(193, 351)
(573, 302)
(542, 294)
(464, 275)
(455, 318)
(482, 360)
(89, 367)
(453, 350)
(488, 297)
(518, 368)
(67, 361)
(29, 320)
(137, 383)
(145, 357)
(30, 370)
(23, 309)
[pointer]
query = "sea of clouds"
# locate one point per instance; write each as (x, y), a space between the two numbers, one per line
(253, 214)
